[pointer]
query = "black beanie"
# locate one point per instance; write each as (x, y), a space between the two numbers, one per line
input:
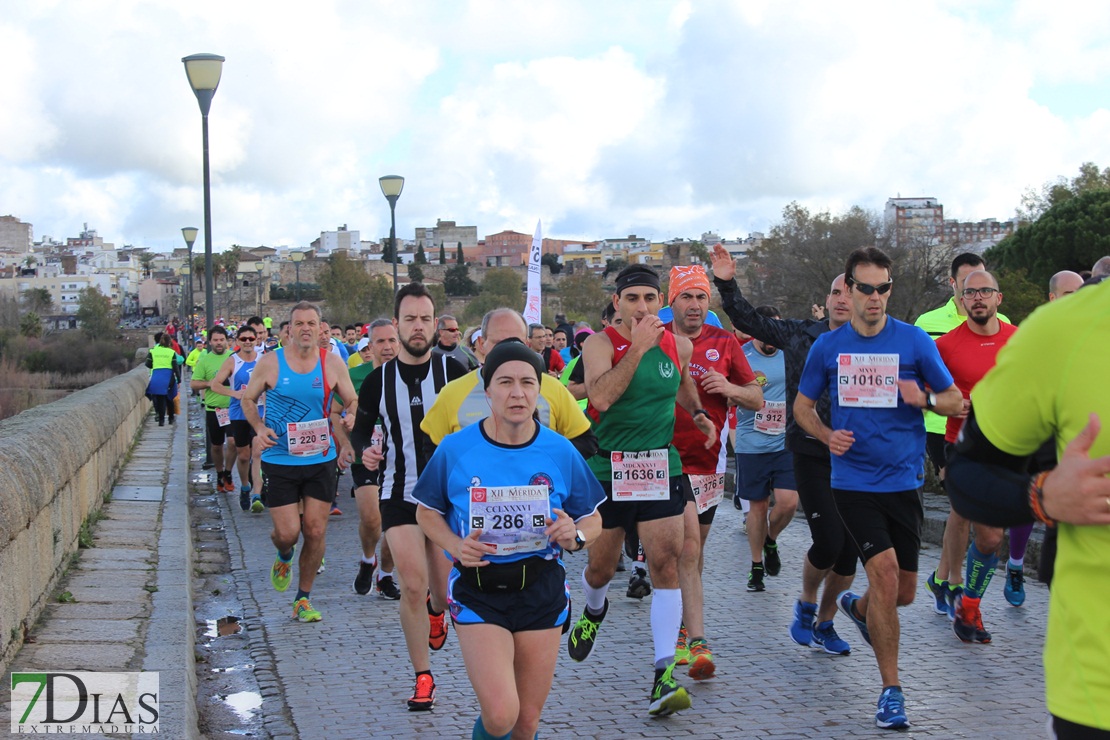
(510, 350)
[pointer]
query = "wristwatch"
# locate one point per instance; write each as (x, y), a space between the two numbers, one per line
(579, 540)
(930, 400)
(702, 412)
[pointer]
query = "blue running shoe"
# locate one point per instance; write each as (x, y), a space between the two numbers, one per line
(954, 593)
(939, 590)
(892, 709)
(1014, 590)
(801, 629)
(847, 603)
(825, 637)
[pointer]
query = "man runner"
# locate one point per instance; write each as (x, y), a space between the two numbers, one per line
(217, 417)
(238, 368)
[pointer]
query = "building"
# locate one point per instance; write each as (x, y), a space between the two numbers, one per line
(88, 239)
(914, 217)
(15, 236)
(340, 239)
(977, 236)
(65, 290)
(450, 235)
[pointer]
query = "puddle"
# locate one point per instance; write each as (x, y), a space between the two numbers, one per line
(223, 627)
(234, 668)
(202, 478)
(244, 703)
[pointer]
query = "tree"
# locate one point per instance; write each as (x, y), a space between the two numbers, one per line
(439, 296)
(38, 300)
(95, 314)
(1071, 235)
(30, 325)
(583, 297)
(552, 261)
(421, 258)
(614, 266)
(505, 283)
(457, 280)
(460, 258)
(416, 274)
(1020, 295)
(146, 259)
(1035, 204)
(352, 295)
(442, 254)
(387, 250)
(699, 252)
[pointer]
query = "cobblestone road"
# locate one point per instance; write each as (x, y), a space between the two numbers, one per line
(349, 676)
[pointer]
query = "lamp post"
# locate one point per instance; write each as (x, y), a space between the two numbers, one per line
(186, 271)
(203, 71)
(297, 257)
(239, 278)
(258, 267)
(190, 234)
(392, 185)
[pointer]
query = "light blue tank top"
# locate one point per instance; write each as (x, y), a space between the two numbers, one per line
(297, 397)
(240, 376)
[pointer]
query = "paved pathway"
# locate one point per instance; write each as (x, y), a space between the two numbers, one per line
(349, 676)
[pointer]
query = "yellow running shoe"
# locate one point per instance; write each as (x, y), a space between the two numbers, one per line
(281, 573)
(681, 651)
(303, 611)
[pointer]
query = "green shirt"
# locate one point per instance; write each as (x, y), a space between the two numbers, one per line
(643, 417)
(936, 324)
(208, 364)
(358, 374)
(1049, 377)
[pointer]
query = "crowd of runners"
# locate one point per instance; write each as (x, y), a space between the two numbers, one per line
(478, 457)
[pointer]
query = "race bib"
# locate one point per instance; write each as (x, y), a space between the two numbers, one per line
(771, 419)
(512, 518)
(378, 436)
(309, 438)
(223, 417)
(867, 381)
(641, 476)
(708, 490)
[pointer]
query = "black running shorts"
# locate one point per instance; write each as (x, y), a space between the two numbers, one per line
(877, 522)
(545, 604)
(288, 484)
(626, 514)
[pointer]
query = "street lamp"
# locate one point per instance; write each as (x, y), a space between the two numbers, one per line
(297, 257)
(190, 234)
(259, 266)
(203, 71)
(392, 185)
(239, 278)
(186, 271)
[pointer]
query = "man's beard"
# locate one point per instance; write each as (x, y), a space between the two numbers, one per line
(982, 320)
(417, 352)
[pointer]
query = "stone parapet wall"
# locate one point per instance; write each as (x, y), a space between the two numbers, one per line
(57, 462)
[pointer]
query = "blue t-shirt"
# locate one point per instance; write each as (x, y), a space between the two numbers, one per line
(666, 315)
(469, 458)
(770, 373)
(297, 398)
(888, 453)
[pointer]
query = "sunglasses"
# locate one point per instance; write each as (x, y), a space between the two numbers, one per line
(979, 292)
(247, 338)
(866, 289)
(453, 331)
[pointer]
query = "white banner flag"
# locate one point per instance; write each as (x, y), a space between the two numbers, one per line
(532, 304)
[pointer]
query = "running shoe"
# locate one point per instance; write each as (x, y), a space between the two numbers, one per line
(621, 567)
(755, 580)
(736, 503)
(939, 590)
(256, 505)
(771, 562)
(667, 697)
(954, 593)
(801, 629)
(437, 627)
(335, 511)
(387, 589)
(323, 566)
(968, 624)
(281, 573)
(847, 603)
(638, 584)
(365, 578)
(701, 661)
(681, 649)
(245, 499)
(229, 484)
(584, 634)
(303, 611)
(825, 637)
(424, 695)
(1014, 590)
(892, 709)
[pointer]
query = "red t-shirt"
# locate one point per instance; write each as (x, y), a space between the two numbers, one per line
(555, 362)
(969, 356)
(718, 350)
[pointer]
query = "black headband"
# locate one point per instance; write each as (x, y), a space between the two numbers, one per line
(510, 350)
(639, 277)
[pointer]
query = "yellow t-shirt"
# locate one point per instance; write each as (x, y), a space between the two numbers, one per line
(463, 402)
(1049, 378)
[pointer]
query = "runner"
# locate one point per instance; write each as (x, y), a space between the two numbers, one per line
(763, 464)
(969, 351)
(878, 446)
(217, 415)
(447, 343)
(1010, 418)
(508, 589)
(723, 378)
(161, 387)
(537, 340)
(832, 557)
(397, 393)
(238, 369)
(299, 452)
(376, 349)
(635, 372)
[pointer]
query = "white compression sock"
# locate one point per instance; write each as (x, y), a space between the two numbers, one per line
(595, 597)
(666, 619)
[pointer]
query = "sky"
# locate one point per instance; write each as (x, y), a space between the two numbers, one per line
(600, 119)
